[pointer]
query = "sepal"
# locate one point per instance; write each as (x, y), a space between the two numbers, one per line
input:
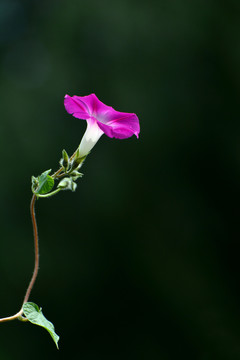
(77, 161)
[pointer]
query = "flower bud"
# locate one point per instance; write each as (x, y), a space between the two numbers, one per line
(67, 184)
(75, 175)
(64, 162)
(35, 183)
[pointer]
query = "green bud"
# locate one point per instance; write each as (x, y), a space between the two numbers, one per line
(67, 184)
(35, 183)
(74, 186)
(75, 175)
(64, 183)
(64, 162)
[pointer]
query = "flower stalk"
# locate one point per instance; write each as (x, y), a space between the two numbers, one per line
(36, 249)
(18, 315)
(63, 171)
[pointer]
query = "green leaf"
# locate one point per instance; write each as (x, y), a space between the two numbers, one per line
(45, 183)
(35, 316)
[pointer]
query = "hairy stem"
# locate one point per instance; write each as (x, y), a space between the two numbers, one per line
(36, 248)
(49, 194)
(18, 315)
(13, 317)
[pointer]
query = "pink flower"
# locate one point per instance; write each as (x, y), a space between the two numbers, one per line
(101, 119)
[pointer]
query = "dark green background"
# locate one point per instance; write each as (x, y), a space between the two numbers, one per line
(142, 262)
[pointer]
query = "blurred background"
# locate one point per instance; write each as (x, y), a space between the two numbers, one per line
(142, 262)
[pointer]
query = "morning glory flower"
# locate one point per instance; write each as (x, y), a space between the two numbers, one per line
(101, 119)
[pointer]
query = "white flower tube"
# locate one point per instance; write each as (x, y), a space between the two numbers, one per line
(90, 137)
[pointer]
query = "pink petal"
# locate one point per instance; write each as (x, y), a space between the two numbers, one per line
(95, 106)
(76, 107)
(113, 123)
(122, 127)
